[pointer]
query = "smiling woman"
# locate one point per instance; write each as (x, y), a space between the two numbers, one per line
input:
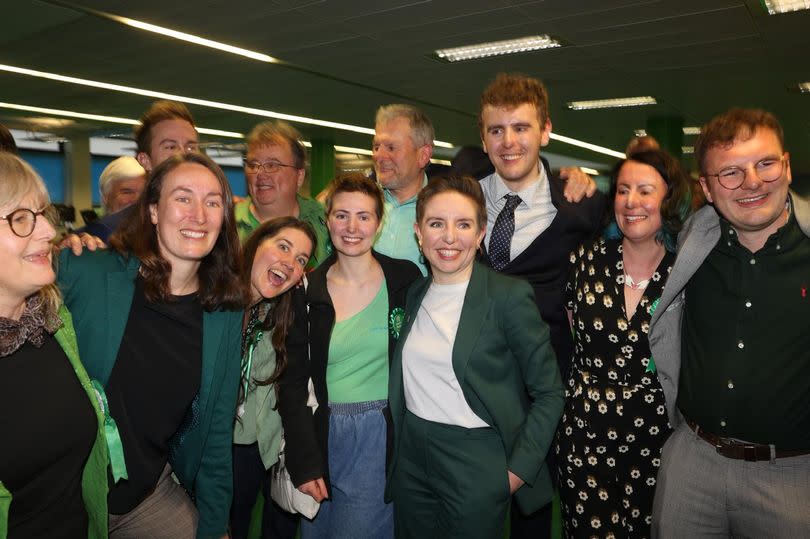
(344, 336)
(59, 439)
(158, 324)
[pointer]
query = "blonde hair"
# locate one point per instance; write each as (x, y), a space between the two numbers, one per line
(18, 180)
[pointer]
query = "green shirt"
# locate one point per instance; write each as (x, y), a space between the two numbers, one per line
(259, 420)
(397, 238)
(745, 369)
(357, 369)
(309, 211)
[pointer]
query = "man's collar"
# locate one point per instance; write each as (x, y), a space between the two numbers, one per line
(527, 194)
(392, 198)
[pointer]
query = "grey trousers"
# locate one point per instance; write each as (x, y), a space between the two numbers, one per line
(701, 493)
(167, 513)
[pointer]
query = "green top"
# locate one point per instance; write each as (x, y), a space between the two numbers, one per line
(309, 211)
(397, 238)
(745, 340)
(357, 370)
(94, 477)
(260, 421)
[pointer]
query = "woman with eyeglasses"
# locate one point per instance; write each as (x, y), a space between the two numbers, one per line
(275, 257)
(158, 319)
(615, 421)
(53, 454)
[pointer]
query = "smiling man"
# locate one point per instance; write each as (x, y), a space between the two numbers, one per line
(730, 342)
(275, 168)
(531, 226)
(401, 150)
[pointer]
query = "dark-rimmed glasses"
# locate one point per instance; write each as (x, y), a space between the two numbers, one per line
(23, 221)
(253, 167)
(768, 170)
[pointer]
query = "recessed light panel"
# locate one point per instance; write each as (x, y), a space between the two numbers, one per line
(775, 7)
(497, 48)
(619, 102)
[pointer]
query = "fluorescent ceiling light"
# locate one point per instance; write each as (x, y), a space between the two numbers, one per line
(497, 48)
(587, 145)
(110, 119)
(612, 103)
(775, 7)
(196, 101)
(687, 150)
(691, 130)
(640, 132)
(444, 162)
(588, 170)
(803, 87)
(349, 149)
(194, 39)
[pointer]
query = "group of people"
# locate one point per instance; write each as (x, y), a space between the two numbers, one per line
(473, 344)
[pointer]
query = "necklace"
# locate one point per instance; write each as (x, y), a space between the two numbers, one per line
(641, 285)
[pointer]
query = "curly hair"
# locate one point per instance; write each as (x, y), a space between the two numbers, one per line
(511, 90)
(218, 274)
(734, 124)
(677, 203)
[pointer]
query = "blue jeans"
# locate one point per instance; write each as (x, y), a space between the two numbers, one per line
(357, 444)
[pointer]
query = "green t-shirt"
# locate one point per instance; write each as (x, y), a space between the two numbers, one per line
(357, 370)
(310, 211)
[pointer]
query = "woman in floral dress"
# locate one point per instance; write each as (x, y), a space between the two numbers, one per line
(615, 422)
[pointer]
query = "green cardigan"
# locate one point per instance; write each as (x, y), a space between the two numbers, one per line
(98, 288)
(94, 477)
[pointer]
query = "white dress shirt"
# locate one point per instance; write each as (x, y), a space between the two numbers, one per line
(533, 215)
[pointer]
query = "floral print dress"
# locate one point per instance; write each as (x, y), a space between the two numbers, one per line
(615, 421)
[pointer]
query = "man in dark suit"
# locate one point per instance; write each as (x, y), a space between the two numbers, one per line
(532, 224)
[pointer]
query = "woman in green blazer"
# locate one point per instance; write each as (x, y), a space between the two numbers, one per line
(53, 457)
(475, 392)
(158, 320)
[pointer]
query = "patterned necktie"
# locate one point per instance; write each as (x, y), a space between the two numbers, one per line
(501, 241)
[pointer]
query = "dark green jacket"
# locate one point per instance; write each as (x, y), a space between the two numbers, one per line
(503, 360)
(94, 477)
(98, 288)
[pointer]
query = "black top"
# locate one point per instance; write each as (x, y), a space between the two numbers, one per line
(544, 263)
(745, 340)
(306, 435)
(154, 381)
(48, 429)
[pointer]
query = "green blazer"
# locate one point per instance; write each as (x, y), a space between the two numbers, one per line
(94, 476)
(98, 288)
(503, 360)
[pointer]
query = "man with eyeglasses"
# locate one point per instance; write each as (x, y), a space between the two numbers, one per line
(731, 344)
(275, 168)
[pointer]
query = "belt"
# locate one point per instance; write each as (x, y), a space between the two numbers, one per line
(735, 449)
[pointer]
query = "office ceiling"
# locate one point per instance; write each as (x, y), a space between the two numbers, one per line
(344, 58)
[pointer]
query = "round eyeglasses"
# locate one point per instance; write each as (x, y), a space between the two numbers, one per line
(768, 170)
(23, 221)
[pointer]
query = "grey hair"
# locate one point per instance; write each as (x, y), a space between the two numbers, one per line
(422, 132)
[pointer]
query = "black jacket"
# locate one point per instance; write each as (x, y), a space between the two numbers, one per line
(545, 262)
(307, 435)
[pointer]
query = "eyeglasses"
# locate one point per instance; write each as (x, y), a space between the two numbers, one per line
(768, 170)
(253, 167)
(23, 221)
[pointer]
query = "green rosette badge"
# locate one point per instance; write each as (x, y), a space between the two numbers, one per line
(395, 321)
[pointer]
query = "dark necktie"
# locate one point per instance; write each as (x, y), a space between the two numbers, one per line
(501, 241)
